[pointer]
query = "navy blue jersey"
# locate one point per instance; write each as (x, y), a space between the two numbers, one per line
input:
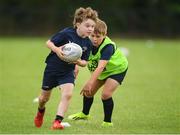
(62, 37)
(106, 52)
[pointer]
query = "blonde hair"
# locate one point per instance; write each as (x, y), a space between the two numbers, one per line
(100, 28)
(82, 14)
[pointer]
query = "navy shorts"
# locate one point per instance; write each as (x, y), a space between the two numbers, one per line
(52, 79)
(118, 77)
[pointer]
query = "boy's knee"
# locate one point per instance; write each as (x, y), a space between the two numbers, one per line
(105, 96)
(43, 99)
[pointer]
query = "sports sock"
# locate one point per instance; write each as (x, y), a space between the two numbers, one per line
(87, 102)
(108, 105)
(41, 110)
(59, 118)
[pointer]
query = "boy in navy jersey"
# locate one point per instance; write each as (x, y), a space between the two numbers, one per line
(108, 66)
(60, 73)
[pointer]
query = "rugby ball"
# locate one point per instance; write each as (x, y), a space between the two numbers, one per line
(72, 52)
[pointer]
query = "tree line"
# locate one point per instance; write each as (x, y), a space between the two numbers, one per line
(128, 17)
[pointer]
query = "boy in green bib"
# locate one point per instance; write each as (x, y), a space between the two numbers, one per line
(108, 66)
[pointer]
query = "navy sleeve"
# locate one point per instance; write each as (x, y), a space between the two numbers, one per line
(107, 52)
(58, 38)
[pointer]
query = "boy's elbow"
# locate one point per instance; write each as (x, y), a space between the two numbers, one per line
(48, 43)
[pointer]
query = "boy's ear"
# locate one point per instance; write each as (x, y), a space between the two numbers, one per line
(105, 33)
(77, 25)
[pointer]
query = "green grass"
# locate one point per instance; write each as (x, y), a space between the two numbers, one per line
(147, 102)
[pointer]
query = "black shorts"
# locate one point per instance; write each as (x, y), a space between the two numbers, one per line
(118, 77)
(52, 79)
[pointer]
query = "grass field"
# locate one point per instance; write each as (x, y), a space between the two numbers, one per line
(147, 102)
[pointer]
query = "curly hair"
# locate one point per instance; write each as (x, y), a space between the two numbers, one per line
(82, 14)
